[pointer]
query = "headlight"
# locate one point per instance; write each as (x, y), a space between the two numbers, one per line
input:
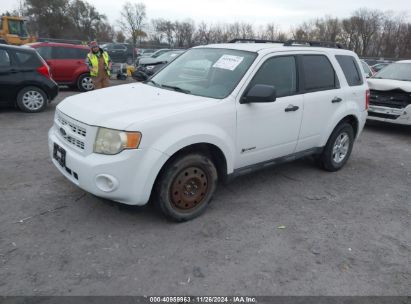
(111, 142)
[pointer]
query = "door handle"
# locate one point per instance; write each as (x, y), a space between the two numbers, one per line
(336, 99)
(291, 108)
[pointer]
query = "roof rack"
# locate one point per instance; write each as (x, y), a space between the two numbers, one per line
(241, 40)
(326, 44)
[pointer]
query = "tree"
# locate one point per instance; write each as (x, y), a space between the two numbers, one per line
(120, 38)
(132, 21)
(86, 20)
(49, 18)
(104, 32)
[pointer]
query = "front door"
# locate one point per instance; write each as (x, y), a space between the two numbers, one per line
(270, 130)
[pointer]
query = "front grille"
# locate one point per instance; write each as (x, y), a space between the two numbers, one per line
(74, 142)
(74, 127)
(393, 99)
(71, 131)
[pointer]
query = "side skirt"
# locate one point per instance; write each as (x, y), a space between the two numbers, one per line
(272, 162)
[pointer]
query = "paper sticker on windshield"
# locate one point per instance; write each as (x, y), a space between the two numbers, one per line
(228, 62)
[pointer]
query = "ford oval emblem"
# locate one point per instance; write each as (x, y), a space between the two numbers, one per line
(63, 132)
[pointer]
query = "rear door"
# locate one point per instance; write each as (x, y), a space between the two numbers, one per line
(64, 63)
(322, 98)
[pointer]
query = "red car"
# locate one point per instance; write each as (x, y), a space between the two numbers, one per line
(67, 63)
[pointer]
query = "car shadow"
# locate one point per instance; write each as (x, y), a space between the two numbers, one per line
(388, 128)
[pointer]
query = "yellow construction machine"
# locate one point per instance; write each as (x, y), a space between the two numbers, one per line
(13, 30)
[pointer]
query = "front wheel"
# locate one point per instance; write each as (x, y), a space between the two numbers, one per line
(338, 148)
(185, 187)
(84, 83)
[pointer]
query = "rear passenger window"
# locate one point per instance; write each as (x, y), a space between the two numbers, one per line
(319, 74)
(279, 72)
(4, 59)
(68, 53)
(350, 69)
(82, 53)
(45, 52)
(28, 60)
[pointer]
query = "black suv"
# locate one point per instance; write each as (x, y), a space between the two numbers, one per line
(25, 79)
(120, 52)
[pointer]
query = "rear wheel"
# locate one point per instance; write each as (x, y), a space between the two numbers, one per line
(32, 100)
(84, 83)
(185, 187)
(338, 148)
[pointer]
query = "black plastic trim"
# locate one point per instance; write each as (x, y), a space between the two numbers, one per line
(273, 162)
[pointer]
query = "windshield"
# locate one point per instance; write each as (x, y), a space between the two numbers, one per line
(205, 72)
(18, 27)
(396, 71)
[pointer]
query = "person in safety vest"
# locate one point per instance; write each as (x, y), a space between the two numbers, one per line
(99, 63)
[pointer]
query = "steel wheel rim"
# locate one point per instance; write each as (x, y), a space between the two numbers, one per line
(87, 83)
(33, 100)
(341, 146)
(188, 189)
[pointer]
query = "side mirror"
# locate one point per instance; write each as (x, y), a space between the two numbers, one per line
(260, 93)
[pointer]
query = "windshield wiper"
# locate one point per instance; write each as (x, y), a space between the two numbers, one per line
(153, 82)
(177, 89)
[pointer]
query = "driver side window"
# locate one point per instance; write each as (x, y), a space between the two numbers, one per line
(280, 72)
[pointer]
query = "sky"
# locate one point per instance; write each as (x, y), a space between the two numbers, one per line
(284, 13)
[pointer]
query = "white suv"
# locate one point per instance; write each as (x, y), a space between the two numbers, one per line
(216, 112)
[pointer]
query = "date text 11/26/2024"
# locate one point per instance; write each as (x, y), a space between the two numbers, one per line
(206, 299)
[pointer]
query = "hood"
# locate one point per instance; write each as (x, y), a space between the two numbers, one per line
(121, 106)
(389, 84)
(149, 60)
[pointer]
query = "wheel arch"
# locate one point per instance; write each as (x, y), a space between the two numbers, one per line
(350, 118)
(215, 153)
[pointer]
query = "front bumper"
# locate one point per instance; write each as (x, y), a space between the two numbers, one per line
(52, 90)
(130, 171)
(392, 115)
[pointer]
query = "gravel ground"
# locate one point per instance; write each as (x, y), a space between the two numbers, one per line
(344, 233)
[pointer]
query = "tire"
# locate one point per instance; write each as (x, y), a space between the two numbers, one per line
(32, 100)
(84, 83)
(185, 187)
(338, 148)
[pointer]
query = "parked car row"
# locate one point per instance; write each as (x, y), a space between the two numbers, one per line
(64, 64)
(25, 79)
(148, 66)
(67, 63)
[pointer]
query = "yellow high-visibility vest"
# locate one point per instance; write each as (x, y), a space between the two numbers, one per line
(93, 59)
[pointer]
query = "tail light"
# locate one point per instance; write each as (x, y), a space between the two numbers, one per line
(44, 70)
(367, 99)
